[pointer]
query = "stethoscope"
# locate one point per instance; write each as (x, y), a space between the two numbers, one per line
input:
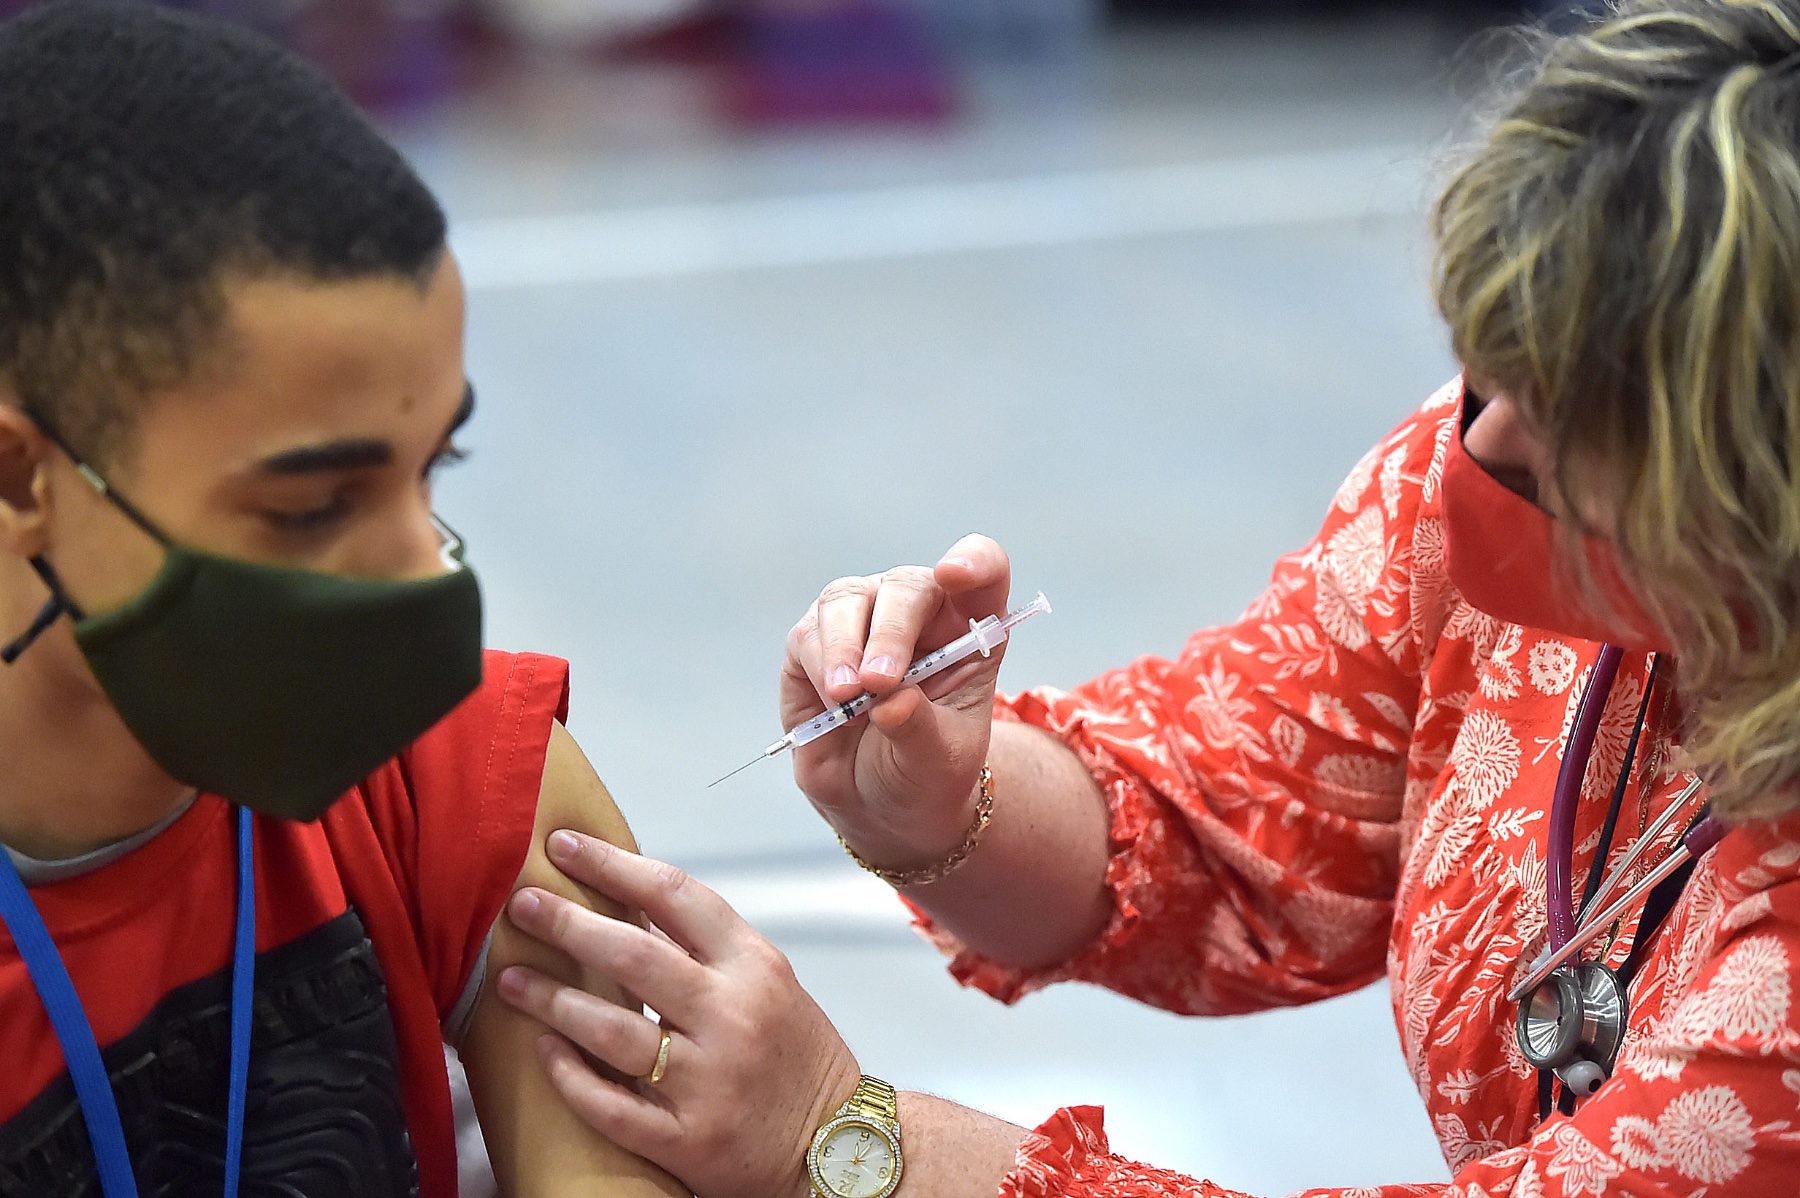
(1572, 1013)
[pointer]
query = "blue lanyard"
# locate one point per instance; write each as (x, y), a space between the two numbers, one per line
(92, 1086)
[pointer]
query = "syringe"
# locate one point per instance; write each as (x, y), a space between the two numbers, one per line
(982, 637)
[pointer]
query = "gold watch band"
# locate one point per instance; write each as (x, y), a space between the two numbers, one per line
(873, 1102)
(873, 1096)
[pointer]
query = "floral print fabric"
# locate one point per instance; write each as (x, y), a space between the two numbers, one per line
(1353, 780)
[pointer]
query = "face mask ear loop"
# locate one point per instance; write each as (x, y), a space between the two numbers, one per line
(59, 601)
(53, 609)
(93, 479)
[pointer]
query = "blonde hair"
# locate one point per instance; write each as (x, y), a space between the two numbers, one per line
(1621, 256)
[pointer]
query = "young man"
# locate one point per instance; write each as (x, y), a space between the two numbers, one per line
(248, 660)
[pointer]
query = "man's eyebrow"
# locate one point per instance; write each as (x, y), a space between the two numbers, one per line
(359, 453)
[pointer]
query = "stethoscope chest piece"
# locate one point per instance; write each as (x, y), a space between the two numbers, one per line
(1572, 1023)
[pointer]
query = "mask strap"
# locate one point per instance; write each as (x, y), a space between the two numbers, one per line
(53, 609)
(59, 601)
(93, 479)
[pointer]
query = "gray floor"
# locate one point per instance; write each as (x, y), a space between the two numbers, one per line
(1135, 316)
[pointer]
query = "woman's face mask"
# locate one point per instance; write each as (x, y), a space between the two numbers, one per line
(274, 687)
(1501, 554)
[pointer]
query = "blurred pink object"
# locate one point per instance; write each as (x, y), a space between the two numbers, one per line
(586, 22)
(811, 62)
(854, 61)
(388, 54)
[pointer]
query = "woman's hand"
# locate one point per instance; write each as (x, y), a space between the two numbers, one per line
(899, 786)
(754, 1067)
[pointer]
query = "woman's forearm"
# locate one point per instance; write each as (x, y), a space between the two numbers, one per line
(1032, 893)
(952, 1151)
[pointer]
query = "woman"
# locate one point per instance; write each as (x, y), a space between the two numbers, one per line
(1357, 777)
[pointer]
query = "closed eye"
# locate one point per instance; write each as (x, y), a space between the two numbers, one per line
(449, 455)
(310, 520)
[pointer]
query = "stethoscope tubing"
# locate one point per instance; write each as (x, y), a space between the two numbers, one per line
(1641, 846)
(1566, 936)
(1702, 836)
(1559, 884)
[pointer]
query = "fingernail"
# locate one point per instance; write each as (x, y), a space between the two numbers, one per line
(960, 562)
(565, 845)
(841, 676)
(512, 983)
(882, 665)
(525, 904)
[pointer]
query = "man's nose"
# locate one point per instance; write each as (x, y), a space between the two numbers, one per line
(416, 548)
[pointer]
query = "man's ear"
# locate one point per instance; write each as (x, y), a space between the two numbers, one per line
(24, 479)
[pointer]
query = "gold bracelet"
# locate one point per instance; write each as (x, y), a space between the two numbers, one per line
(984, 814)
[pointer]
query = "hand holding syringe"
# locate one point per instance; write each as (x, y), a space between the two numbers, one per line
(983, 636)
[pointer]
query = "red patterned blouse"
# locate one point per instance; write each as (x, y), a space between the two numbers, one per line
(1354, 780)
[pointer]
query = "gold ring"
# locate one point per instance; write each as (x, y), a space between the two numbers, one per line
(662, 1061)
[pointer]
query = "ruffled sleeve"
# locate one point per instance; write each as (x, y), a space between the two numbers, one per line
(1067, 1156)
(1255, 782)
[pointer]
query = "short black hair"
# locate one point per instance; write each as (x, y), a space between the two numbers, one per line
(145, 157)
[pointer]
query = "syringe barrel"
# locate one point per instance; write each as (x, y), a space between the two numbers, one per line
(831, 719)
(987, 634)
(983, 636)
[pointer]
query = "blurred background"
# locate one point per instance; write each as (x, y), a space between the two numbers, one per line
(767, 292)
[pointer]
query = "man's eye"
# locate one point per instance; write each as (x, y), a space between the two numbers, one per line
(449, 455)
(309, 519)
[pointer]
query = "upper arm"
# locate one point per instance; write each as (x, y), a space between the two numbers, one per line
(537, 1144)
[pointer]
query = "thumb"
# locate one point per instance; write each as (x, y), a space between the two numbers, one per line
(925, 752)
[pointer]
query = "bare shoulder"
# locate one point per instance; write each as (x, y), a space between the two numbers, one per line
(572, 796)
(538, 1146)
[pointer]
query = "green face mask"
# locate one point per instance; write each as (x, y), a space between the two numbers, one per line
(273, 687)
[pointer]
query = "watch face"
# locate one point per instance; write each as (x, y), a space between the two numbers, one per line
(856, 1159)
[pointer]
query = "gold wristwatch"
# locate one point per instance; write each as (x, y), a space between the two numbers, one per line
(857, 1153)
